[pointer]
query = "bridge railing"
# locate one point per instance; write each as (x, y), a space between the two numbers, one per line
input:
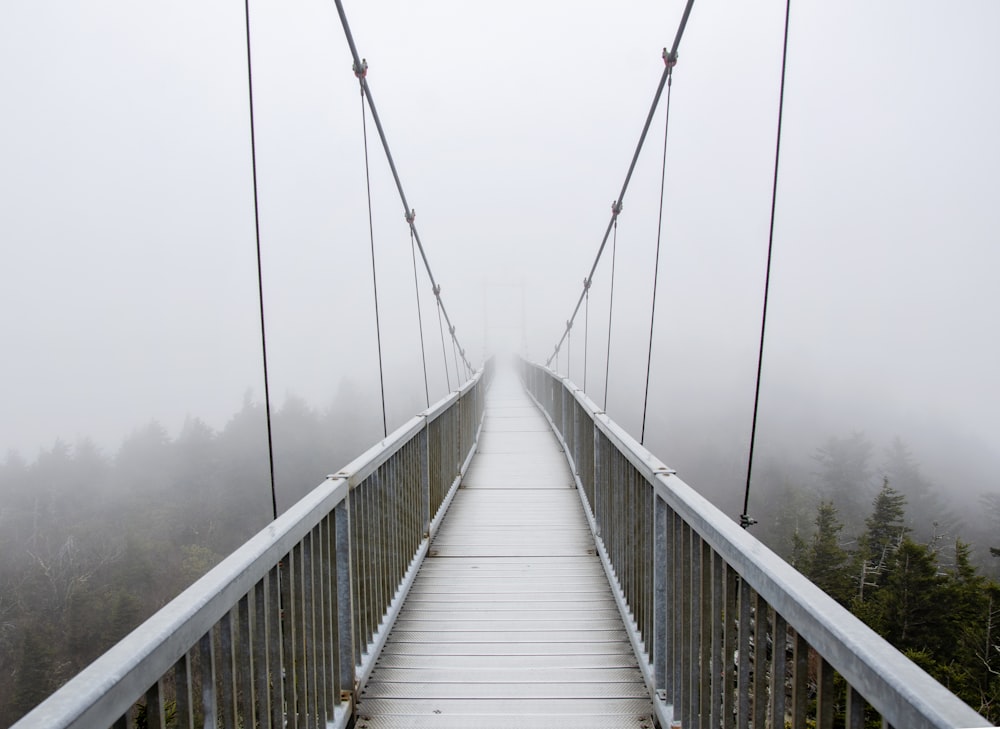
(283, 631)
(728, 634)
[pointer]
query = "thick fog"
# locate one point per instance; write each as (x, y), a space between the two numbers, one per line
(128, 282)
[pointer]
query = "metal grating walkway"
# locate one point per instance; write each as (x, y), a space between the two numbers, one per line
(510, 622)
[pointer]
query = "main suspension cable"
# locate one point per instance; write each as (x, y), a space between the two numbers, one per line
(366, 90)
(260, 274)
(616, 208)
(656, 264)
(669, 57)
(360, 72)
(420, 320)
(745, 520)
(444, 349)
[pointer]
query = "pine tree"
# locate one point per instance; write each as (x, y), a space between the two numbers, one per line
(828, 562)
(885, 528)
(913, 600)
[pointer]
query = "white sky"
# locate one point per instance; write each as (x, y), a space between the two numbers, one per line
(127, 270)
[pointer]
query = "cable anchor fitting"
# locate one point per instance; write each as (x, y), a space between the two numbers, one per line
(746, 521)
(451, 331)
(362, 70)
(616, 208)
(669, 59)
(569, 324)
(437, 292)
(411, 216)
(586, 284)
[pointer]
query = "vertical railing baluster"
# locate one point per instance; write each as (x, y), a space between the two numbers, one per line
(321, 572)
(660, 577)
(689, 649)
(760, 682)
(182, 681)
(224, 665)
(154, 708)
(424, 475)
(288, 635)
(207, 658)
(800, 682)
(706, 622)
(743, 680)
(718, 640)
(855, 718)
(779, 671)
(729, 672)
(345, 612)
(310, 705)
(259, 648)
(677, 611)
(275, 645)
(825, 699)
(331, 684)
(244, 664)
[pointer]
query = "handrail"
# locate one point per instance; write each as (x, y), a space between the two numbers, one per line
(700, 595)
(284, 631)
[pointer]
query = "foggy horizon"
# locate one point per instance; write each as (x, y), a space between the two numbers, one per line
(129, 285)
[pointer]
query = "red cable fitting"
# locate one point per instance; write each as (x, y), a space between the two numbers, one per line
(411, 216)
(361, 71)
(616, 207)
(669, 60)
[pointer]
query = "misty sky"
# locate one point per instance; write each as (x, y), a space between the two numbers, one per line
(128, 274)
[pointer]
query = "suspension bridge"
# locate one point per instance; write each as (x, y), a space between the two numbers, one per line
(509, 557)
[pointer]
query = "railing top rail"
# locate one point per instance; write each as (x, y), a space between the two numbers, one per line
(368, 462)
(891, 682)
(895, 686)
(110, 685)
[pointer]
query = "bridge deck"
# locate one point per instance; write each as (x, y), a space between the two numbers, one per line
(510, 622)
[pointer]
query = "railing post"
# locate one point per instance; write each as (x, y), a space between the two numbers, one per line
(345, 609)
(660, 598)
(598, 480)
(423, 447)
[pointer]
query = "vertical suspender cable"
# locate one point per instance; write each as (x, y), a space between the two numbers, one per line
(656, 264)
(260, 275)
(616, 208)
(745, 520)
(420, 320)
(360, 72)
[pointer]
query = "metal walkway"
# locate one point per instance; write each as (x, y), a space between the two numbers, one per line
(511, 621)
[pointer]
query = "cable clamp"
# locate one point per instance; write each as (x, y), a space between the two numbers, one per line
(362, 70)
(437, 291)
(452, 330)
(569, 324)
(586, 284)
(616, 208)
(411, 216)
(669, 59)
(746, 522)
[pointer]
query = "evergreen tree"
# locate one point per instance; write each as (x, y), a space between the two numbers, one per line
(913, 602)
(827, 563)
(885, 528)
